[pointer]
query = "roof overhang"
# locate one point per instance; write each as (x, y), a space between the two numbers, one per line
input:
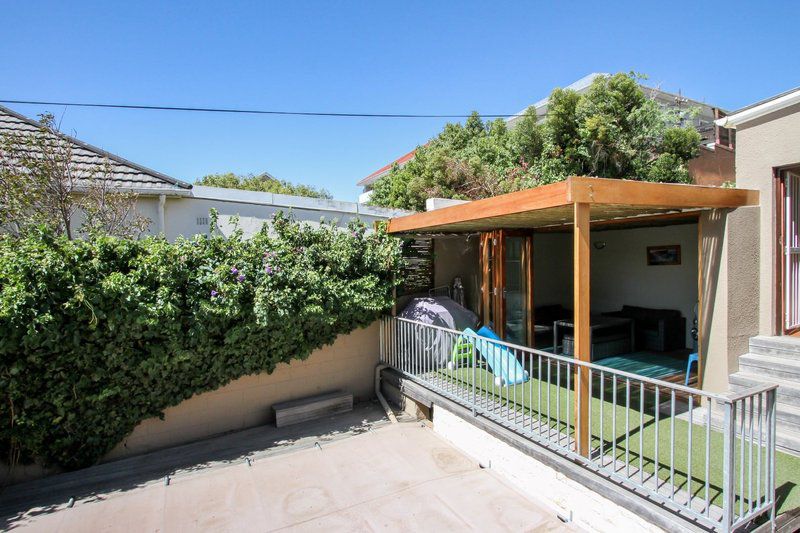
(553, 205)
(758, 110)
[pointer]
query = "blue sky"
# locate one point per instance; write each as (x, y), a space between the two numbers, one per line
(405, 57)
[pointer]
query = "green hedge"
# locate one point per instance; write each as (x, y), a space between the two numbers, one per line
(98, 335)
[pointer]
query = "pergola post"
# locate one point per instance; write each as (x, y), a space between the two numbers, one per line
(581, 292)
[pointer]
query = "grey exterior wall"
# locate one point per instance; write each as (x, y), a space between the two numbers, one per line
(730, 291)
(762, 145)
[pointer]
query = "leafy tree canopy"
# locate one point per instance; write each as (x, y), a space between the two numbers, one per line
(262, 183)
(613, 130)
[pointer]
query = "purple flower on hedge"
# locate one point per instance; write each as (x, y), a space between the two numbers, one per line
(234, 270)
(240, 277)
(268, 269)
(214, 293)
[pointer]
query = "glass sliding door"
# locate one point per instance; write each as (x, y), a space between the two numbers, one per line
(507, 287)
(515, 291)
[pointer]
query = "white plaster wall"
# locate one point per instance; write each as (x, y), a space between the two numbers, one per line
(148, 206)
(762, 145)
(181, 215)
(620, 274)
(590, 510)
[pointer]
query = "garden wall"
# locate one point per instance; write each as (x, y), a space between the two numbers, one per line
(347, 364)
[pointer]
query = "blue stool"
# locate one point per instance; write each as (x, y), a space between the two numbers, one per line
(692, 359)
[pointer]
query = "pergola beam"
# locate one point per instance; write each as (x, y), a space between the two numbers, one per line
(552, 205)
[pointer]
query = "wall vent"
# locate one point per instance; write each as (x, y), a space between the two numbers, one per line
(202, 221)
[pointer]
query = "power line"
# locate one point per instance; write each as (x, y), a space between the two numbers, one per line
(246, 111)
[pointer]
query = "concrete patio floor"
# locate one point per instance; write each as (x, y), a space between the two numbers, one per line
(389, 478)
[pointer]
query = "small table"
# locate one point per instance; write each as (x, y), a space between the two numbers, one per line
(597, 324)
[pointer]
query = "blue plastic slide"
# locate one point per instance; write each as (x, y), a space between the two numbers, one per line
(500, 360)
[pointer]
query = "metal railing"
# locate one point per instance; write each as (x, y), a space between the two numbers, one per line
(710, 457)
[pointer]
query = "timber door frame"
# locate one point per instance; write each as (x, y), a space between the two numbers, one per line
(779, 241)
(493, 278)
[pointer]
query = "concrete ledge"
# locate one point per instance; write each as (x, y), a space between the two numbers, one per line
(653, 513)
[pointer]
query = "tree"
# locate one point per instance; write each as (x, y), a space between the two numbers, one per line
(613, 130)
(41, 187)
(262, 183)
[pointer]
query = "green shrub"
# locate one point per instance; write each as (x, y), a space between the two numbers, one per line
(97, 335)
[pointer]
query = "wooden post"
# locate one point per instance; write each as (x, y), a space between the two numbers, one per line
(581, 292)
(499, 274)
(528, 270)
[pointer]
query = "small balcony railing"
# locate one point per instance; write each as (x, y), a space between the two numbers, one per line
(709, 457)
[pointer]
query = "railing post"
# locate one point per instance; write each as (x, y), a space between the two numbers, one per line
(771, 398)
(728, 458)
(474, 364)
(381, 327)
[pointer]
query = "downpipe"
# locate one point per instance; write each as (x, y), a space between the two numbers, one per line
(384, 403)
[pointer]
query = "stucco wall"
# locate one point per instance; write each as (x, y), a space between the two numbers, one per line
(761, 145)
(347, 364)
(730, 291)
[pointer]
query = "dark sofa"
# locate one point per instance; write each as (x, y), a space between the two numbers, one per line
(656, 329)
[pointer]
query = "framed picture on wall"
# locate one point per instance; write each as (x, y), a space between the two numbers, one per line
(669, 254)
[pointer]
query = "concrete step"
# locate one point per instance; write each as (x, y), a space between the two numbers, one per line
(785, 347)
(787, 408)
(770, 365)
(788, 416)
(788, 390)
(787, 440)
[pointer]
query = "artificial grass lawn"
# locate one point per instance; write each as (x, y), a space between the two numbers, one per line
(524, 398)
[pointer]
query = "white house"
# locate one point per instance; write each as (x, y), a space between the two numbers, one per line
(178, 208)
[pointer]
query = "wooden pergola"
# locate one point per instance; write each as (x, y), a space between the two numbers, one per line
(578, 204)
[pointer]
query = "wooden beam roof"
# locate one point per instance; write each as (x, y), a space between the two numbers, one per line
(552, 205)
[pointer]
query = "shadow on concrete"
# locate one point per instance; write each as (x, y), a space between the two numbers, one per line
(23, 501)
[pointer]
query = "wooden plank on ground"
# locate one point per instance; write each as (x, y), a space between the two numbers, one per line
(311, 408)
